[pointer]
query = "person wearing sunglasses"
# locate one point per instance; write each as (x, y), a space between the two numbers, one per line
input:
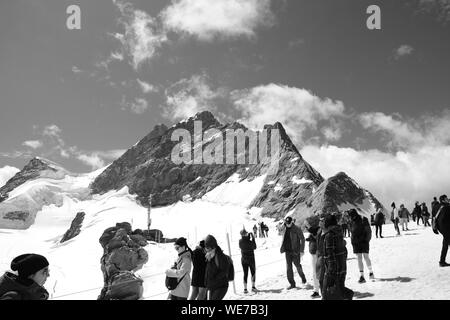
(32, 271)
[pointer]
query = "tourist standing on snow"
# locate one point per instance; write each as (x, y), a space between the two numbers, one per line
(247, 244)
(255, 231)
(417, 212)
(181, 270)
(344, 224)
(434, 207)
(404, 214)
(312, 239)
(32, 272)
(426, 215)
(293, 246)
(334, 261)
(198, 272)
(216, 277)
(394, 218)
(442, 224)
(379, 221)
(361, 235)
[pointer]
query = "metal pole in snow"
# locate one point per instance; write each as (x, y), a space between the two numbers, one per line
(229, 252)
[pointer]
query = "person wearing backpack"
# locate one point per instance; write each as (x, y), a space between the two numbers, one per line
(293, 246)
(247, 244)
(361, 235)
(32, 272)
(198, 291)
(217, 269)
(181, 270)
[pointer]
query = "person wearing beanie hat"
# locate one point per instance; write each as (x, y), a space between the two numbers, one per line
(247, 244)
(181, 270)
(217, 267)
(198, 291)
(32, 272)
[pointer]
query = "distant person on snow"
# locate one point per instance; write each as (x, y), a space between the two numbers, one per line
(255, 231)
(434, 207)
(361, 235)
(181, 270)
(27, 284)
(379, 221)
(198, 273)
(216, 276)
(293, 246)
(394, 218)
(442, 225)
(312, 239)
(426, 215)
(247, 244)
(404, 214)
(417, 212)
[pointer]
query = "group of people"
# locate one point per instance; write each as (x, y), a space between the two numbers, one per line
(420, 212)
(262, 230)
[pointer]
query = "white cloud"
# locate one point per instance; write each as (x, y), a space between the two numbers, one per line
(207, 19)
(297, 109)
(139, 106)
(403, 177)
(142, 36)
(75, 69)
(190, 96)
(6, 173)
(440, 8)
(98, 159)
(117, 56)
(402, 51)
(146, 87)
(34, 144)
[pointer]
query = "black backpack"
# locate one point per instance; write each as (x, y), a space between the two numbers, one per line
(230, 268)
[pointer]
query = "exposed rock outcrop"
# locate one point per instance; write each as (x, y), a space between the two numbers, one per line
(123, 255)
(75, 227)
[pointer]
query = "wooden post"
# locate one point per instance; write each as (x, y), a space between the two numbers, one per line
(229, 252)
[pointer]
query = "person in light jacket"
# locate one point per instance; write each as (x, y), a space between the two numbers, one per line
(181, 270)
(394, 218)
(404, 214)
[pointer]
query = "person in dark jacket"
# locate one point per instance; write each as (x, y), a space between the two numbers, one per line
(426, 215)
(434, 207)
(379, 221)
(33, 271)
(247, 244)
(417, 212)
(216, 275)
(361, 235)
(334, 261)
(294, 247)
(255, 231)
(312, 239)
(403, 214)
(198, 273)
(443, 226)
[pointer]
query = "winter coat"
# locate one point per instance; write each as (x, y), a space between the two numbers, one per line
(403, 213)
(434, 207)
(312, 239)
(443, 221)
(247, 247)
(183, 269)
(335, 253)
(216, 275)
(425, 212)
(379, 218)
(296, 237)
(199, 264)
(361, 235)
(417, 211)
(14, 288)
(394, 214)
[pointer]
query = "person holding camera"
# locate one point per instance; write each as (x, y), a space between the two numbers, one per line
(247, 244)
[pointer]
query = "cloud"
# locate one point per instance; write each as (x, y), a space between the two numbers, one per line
(439, 8)
(402, 51)
(117, 56)
(98, 159)
(75, 69)
(146, 87)
(34, 144)
(207, 20)
(142, 34)
(189, 96)
(404, 176)
(137, 106)
(297, 109)
(6, 173)
(296, 43)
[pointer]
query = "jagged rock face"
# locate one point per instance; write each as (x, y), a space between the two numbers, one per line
(123, 255)
(75, 227)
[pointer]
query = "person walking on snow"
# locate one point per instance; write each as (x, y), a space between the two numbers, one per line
(361, 235)
(404, 214)
(247, 244)
(216, 276)
(198, 273)
(293, 246)
(312, 239)
(417, 211)
(379, 221)
(426, 215)
(394, 218)
(255, 231)
(181, 270)
(442, 225)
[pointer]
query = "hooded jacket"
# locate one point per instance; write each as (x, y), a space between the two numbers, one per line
(199, 263)
(216, 275)
(14, 288)
(183, 268)
(297, 239)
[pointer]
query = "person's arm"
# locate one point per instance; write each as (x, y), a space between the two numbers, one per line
(185, 267)
(302, 240)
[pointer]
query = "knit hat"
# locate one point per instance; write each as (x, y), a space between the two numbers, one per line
(243, 232)
(182, 242)
(28, 264)
(202, 243)
(210, 242)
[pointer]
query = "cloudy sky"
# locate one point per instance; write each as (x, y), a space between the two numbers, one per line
(372, 103)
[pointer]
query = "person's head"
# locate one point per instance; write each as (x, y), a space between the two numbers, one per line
(417, 203)
(288, 222)
(423, 204)
(402, 206)
(435, 199)
(180, 245)
(202, 244)
(329, 220)
(210, 243)
(244, 233)
(443, 198)
(31, 266)
(353, 214)
(393, 204)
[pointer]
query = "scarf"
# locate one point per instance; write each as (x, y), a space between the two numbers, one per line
(210, 255)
